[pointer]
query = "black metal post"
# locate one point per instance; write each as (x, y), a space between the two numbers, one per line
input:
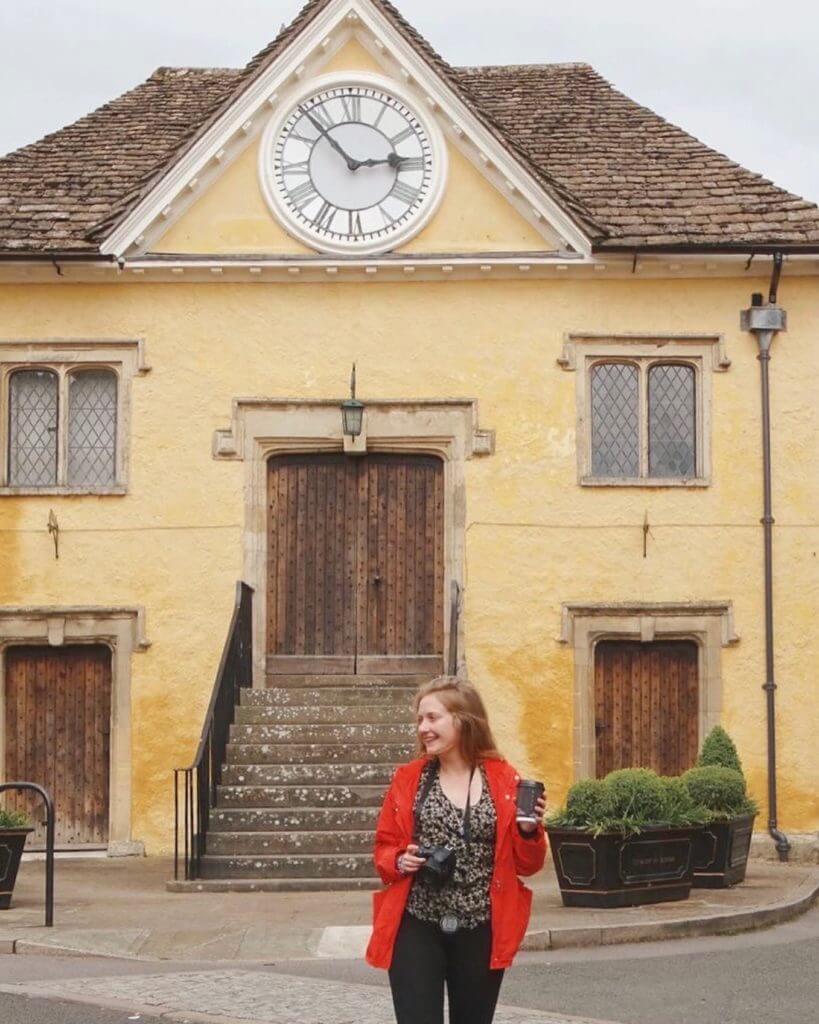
(50, 821)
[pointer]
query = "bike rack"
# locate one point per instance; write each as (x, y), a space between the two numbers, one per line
(49, 806)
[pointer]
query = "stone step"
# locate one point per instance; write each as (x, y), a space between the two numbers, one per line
(252, 844)
(334, 696)
(272, 797)
(320, 734)
(309, 774)
(275, 885)
(404, 682)
(295, 714)
(314, 753)
(311, 865)
(293, 819)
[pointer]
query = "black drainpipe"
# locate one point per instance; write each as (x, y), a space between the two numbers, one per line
(765, 321)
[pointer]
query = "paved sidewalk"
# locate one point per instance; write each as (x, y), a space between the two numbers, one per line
(234, 995)
(121, 908)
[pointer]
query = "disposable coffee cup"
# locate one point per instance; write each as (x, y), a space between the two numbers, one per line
(529, 792)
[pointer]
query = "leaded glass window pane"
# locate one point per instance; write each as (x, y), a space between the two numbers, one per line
(672, 432)
(92, 428)
(615, 415)
(33, 401)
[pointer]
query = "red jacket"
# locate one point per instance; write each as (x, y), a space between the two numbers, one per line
(515, 854)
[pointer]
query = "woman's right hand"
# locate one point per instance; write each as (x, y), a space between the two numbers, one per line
(409, 862)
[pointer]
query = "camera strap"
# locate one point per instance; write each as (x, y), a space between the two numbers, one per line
(429, 782)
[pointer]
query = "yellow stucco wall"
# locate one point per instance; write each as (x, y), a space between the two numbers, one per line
(534, 537)
(233, 217)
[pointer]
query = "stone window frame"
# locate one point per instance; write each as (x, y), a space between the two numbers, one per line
(264, 427)
(704, 352)
(122, 630)
(709, 624)
(65, 357)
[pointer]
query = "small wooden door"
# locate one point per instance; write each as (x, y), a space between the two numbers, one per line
(57, 729)
(355, 564)
(647, 706)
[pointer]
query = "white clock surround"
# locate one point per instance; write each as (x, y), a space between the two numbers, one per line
(411, 223)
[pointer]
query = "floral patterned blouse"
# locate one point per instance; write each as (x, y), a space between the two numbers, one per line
(466, 894)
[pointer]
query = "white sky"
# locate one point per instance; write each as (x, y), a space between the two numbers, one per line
(742, 75)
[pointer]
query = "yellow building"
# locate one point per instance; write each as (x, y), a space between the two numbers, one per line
(558, 481)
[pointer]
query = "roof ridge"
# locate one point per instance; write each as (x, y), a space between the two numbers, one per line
(528, 66)
(167, 71)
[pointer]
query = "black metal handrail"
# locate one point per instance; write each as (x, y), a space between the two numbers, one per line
(50, 824)
(201, 779)
(454, 615)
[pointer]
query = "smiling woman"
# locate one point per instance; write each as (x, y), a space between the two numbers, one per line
(449, 847)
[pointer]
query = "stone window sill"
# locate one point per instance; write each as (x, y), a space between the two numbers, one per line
(597, 481)
(118, 489)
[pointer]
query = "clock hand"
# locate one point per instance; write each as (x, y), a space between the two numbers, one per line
(352, 164)
(394, 160)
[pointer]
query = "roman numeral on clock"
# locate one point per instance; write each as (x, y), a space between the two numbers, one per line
(302, 167)
(354, 223)
(352, 107)
(323, 116)
(303, 194)
(405, 193)
(407, 133)
(324, 218)
(411, 163)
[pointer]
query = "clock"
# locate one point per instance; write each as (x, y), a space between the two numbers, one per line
(351, 167)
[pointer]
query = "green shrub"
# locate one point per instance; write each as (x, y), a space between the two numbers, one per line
(681, 807)
(718, 749)
(13, 819)
(721, 791)
(589, 802)
(637, 794)
(627, 801)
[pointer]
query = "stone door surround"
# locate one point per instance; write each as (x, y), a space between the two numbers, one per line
(710, 624)
(264, 427)
(122, 629)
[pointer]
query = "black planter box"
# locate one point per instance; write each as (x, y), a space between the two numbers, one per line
(721, 853)
(610, 870)
(12, 841)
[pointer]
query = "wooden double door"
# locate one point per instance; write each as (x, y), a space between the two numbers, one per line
(355, 564)
(646, 705)
(57, 732)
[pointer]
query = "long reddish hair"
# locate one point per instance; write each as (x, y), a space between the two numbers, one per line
(464, 703)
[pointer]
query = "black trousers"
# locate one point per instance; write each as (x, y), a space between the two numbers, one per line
(425, 958)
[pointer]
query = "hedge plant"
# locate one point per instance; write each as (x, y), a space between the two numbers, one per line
(627, 801)
(13, 819)
(718, 749)
(721, 791)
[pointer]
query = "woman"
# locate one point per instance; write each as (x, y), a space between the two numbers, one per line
(462, 930)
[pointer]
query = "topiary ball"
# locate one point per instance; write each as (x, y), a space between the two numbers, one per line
(637, 793)
(719, 749)
(720, 790)
(588, 804)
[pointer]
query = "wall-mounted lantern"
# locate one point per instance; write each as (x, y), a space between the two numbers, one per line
(352, 411)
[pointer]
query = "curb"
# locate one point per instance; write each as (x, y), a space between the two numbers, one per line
(806, 895)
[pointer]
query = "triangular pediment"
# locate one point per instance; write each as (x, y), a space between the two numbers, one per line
(216, 198)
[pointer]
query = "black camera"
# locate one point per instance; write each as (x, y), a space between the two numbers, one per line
(440, 864)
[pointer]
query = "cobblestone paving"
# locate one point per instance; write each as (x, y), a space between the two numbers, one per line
(253, 996)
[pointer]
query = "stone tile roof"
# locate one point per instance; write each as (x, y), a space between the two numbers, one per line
(629, 178)
(647, 181)
(54, 192)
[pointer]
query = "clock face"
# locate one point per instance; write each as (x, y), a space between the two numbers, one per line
(353, 168)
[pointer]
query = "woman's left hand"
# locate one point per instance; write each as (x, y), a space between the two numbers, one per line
(540, 811)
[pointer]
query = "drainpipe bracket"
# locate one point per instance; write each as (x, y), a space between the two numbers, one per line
(760, 319)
